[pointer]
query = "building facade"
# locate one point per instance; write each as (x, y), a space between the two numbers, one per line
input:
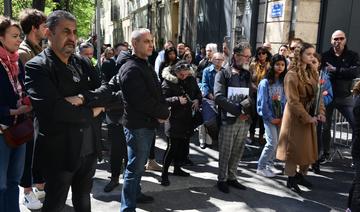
(198, 22)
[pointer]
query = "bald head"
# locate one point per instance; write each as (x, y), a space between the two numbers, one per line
(338, 41)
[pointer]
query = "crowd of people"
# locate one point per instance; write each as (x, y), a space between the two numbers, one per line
(290, 95)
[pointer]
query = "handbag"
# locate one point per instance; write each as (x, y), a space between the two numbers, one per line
(19, 133)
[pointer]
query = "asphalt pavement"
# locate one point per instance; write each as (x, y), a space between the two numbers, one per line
(199, 192)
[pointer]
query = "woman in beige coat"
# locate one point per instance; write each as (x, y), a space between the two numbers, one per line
(297, 140)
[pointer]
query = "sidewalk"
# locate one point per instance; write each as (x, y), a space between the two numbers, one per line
(199, 192)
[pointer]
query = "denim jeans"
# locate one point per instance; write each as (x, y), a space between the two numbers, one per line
(138, 146)
(272, 138)
(11, 169)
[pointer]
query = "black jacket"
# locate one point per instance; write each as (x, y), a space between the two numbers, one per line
(59, 124)
(347, 68)
(223, 80)
(8, 97)
(180, 124)
(143, 101)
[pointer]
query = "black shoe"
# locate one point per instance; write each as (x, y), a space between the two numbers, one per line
(302, 181)
(292, 184)
(165, 180)
(316, 167)
(203, 146)
(236, 184)
(188, 162)
(223, 186)
(180, 172)
(111, 185)
(144, 199)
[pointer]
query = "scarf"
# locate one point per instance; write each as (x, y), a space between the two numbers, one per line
(10, 60)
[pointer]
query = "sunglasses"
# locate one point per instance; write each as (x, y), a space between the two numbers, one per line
(182, 66)
(339, 38)
(260, 53)
(292, 48)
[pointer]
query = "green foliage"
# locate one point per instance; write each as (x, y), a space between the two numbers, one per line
(83, 10)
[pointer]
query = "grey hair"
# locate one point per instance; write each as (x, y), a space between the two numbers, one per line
(54, 18)
(240, 47)
(135, 35)
(85, 46)
(212, 46)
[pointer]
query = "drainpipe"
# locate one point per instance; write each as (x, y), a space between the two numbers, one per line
(321, 28)
(181, 18)
(265, 19)
(292, 19)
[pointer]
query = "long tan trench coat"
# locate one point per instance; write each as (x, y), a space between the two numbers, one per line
(297, 139)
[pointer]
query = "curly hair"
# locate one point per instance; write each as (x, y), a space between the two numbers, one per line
(296, 64)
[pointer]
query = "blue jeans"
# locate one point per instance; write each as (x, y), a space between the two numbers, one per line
(11, 169)
(138, 146)
(272, 138)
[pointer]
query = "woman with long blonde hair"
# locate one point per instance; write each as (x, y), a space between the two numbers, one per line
(297, 140)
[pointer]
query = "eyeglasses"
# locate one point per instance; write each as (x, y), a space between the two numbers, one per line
(339, 38)
(260, 53)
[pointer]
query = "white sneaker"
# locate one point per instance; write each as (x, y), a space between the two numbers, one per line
(40, 194)
(274, 170)
(31, 202)
(265, 173)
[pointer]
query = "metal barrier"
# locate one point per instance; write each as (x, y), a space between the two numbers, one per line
(341, 133)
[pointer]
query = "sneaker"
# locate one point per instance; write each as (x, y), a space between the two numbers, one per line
(144, 199)
(274, 170)
(223, 186)
(265, 173)
(324, 158)
(40, 194)
(31, 202)
(236, 184)
(153, 165)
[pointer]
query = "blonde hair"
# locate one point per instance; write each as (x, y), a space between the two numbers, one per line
(356, 88)
(296, 64)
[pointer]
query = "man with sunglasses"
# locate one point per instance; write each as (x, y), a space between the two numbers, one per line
(343, 66)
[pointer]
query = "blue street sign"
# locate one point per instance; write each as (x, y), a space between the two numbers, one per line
(277, 10)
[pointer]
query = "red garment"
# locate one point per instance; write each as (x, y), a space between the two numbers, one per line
(10, 60)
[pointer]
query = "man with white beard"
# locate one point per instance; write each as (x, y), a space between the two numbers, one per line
(232, 90)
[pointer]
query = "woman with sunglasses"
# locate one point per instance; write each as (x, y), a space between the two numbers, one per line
(13, 106)
(183, 95)
(259, 68)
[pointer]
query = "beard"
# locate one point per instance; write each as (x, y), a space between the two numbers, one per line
(245, 66)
